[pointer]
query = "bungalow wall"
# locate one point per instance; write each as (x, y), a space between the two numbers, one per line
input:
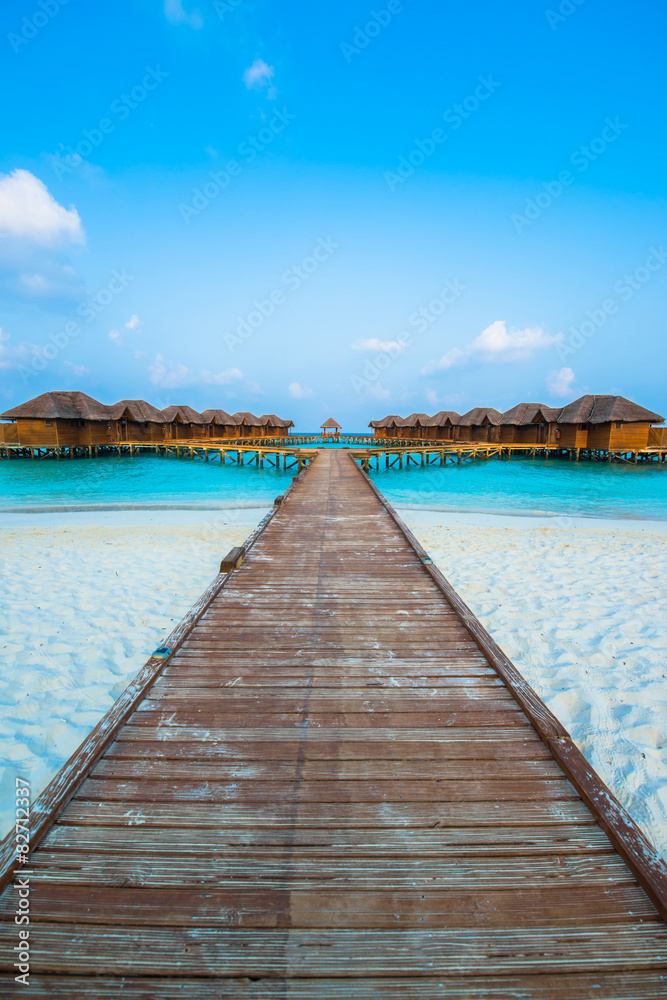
(9, 434)
(177, 431)
(59, 433)
(484, 433)
(571, 436)
(618, 436)
(657, 437)
(135, 430)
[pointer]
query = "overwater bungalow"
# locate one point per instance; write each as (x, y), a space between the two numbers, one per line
(528, 423)
(415, 426)
(248, 425)
(183, 423)
(58, 420)
(137, 420)
(388, 427)
(273, 426)
(219, 424)
(605, 423)
(442, 426)
(479, 424)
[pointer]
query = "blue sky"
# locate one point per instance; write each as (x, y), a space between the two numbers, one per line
(343, 209)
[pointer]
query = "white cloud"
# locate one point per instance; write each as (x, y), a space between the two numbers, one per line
(133, 322)
(228, 377)
(297, 391)
(374, 344)
(77, 370)
(176, 14)
(448, 360)
(496, 345)
(11, 357)
(559, 383)
(139, 355)
(115, 336)
(171, 375)
(259, 75)
(29, 211)
(378, 392)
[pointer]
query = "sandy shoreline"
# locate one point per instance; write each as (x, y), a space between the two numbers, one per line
(578, 604)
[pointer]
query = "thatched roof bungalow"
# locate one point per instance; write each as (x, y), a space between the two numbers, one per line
(528, 423)
(59, 420)
(137, 420)
(479, 424)
(388, 427)
(274, 426)
(440, 427)
(605, 423)
(184, 423)
(219, 424)
(248, 425)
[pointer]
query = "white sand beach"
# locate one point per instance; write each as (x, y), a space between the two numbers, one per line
(578, 604)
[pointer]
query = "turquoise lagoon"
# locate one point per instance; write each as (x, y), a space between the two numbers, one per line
(520, 486)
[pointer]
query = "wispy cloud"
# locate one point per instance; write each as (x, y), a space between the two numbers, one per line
(391, 347)
(171, 375)
(559, 383)
(260, 75)
(176, 14)
(78, 371)
(496, 345)
(29, 211)
(378, 392)
(133, 322)
(297, 391)
(115, 336)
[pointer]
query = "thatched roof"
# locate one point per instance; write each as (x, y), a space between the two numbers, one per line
(605, 409)
(526, 413)
(391, 421)
(249, 419)
(185, 414)
(479, 416)
(138, 410)
(331, 424)
(417, 420)
(218, 417)
(271, 420)
(59, 405)
(443, 418)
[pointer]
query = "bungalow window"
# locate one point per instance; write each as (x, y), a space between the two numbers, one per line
(618, 426)
(48, 423)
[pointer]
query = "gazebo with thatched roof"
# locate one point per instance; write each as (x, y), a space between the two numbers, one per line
(332, 427)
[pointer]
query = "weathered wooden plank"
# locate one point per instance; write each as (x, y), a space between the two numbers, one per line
(430, 790)
(380, 815)
(294, 871)
(645, 985)
(518, 907)
(288, 771)
(463, 951)
(487, 738)
(248, 749)
(441, 842)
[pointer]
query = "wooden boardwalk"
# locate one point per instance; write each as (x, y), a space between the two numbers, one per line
(334, 789)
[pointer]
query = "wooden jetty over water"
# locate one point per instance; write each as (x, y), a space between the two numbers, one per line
(331, 783)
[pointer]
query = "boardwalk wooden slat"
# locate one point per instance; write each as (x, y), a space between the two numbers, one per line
(332, 783)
